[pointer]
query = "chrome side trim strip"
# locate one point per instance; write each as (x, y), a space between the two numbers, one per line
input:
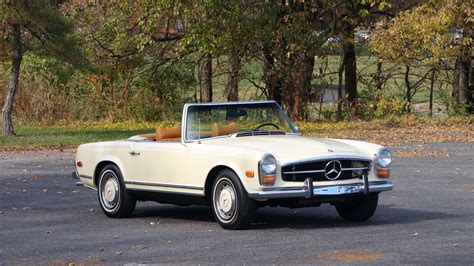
(165, 191)
(350, 189)
(85, 176)
(153, 184)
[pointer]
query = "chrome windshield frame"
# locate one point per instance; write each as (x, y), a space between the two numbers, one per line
(184, 120)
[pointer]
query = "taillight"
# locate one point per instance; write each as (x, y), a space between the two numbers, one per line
(79, 164)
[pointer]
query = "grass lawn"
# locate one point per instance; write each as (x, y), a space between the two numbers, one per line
(391, 131)
(47, 137)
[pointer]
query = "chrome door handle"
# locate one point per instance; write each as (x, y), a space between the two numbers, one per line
(134, 153)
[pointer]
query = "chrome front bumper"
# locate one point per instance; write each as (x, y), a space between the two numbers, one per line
(308, 191)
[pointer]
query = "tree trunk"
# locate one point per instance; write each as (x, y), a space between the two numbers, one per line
(340, 73)
(350, 77)
(298, 87)
(378, 77)
(462, 92)
(455, 84)
(462, 81)
(273, 82)
(471, 88)
(432, 81)
(206, 79)
(13, 84)
(232, 90)
(408, 89)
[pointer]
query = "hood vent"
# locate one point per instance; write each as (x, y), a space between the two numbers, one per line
(260, 133)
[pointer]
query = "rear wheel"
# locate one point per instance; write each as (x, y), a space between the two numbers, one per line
(360, 209)
(114, 199)
(232, 207)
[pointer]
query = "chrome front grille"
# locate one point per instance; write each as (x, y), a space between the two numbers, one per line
(319, 170)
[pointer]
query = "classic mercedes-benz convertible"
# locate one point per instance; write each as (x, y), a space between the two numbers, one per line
(235, 157)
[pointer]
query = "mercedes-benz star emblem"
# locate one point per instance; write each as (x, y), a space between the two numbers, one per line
(333, 170)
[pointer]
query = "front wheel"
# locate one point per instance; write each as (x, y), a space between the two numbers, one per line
(360, 209)
(114, 199)
(232, 207)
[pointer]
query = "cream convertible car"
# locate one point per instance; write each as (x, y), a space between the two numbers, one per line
(235, 157)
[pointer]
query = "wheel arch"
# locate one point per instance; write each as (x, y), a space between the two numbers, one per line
(212, 175)
(104, 162)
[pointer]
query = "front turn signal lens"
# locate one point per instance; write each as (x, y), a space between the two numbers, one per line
(268, 180)
(383, 172)
(249, 174)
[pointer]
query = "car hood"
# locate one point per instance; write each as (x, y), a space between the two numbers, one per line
(292, 148)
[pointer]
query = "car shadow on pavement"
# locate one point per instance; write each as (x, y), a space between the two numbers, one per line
(327, 217)
(192, 213)
(302, 218)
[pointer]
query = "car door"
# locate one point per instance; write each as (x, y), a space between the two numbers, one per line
(158, 165)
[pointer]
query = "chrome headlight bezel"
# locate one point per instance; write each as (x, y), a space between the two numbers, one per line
(267, 167)
(383, 158)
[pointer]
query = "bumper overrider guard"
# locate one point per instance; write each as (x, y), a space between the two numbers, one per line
(76, 176)
(308, 191)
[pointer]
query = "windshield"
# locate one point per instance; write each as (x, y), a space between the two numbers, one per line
(213, 120)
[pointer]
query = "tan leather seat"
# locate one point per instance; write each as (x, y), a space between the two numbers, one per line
(220, 130)
(168, 132)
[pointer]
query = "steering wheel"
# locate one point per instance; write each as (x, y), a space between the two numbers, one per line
(266, 124)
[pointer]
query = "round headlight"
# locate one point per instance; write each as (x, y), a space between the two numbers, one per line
(384, 158)
(267, 170)
(268, 165)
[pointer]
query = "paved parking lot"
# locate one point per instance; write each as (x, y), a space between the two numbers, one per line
(427, 219)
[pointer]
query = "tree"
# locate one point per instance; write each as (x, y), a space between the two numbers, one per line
(294, 32)
(36, 27)
(431, 33)
(350, 16)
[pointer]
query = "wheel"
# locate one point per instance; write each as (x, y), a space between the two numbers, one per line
(114, 199)
(232, 207)
(361, 209)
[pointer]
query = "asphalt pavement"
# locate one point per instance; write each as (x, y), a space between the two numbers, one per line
(427, 219)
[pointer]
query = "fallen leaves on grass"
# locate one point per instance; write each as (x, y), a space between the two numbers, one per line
(398, 130)
(391, 131)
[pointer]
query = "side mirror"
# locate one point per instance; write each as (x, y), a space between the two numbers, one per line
(297, 129)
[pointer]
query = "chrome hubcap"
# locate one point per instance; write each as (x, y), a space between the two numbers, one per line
(109, 190)
(225, 200)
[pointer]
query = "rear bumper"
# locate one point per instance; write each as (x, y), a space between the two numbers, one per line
(76, 176)
(308, 191)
